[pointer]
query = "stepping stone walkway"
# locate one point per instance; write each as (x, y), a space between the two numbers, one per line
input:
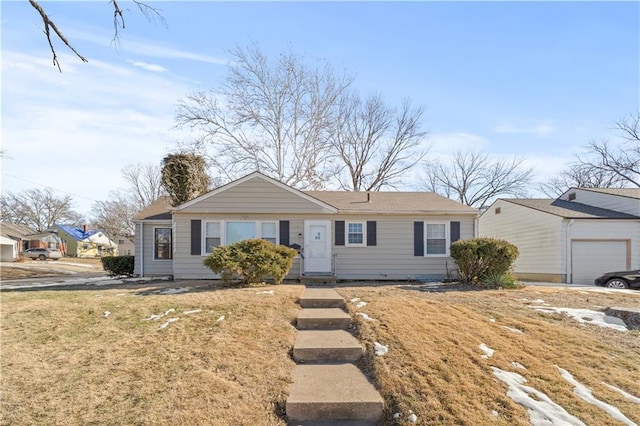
(328, 389)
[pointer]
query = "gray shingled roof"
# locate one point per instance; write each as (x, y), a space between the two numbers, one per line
(390, 202)
(623, 192)
(570, 209)
(157, 210)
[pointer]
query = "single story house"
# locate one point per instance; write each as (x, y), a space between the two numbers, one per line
(85, 242)
(571, 239)
(348, 235)
(27, 238)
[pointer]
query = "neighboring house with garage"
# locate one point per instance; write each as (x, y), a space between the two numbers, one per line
(346, 235)
(85, 242)
(571, 239)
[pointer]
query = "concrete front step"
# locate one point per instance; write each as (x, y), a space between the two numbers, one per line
(323, 319)
(326, 346)
(324, 392)
(321, 298)
(318, 280)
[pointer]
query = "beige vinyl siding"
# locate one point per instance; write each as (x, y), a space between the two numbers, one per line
(539, 237)
(606, 201)
(252, 196)
(392, 258)
(151, 267)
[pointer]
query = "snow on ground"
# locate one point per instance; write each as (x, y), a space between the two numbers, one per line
(271, 292)
(627, 395)
(586, 394)
(364, 316)
(612, 290)
(586, 316)
(488, 352)
(514, 330)
(166, 324)
(518, 365)
(194, 311)
(542, 410)
(220, 319)
(380, 349)
(173, 290)
(354, 300)
(361, 305)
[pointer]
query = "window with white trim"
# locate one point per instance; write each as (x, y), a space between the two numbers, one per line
(355, 233)
(269, 231)
(212, 236)
(436, 238)
(162, 244)
(218, 233)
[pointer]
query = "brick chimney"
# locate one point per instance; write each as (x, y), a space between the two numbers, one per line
(85, 228)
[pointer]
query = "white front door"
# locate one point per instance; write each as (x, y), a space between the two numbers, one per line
(317, 246)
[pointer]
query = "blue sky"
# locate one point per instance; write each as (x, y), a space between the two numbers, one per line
(533, 79)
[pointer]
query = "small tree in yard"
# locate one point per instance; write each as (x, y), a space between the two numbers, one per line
(481, 260)
(251, 261)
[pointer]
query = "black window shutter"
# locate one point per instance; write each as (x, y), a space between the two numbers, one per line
(372, 239)
(284, 232)
(339, 232)
(196, 235)
(418, 238)
(455, 231)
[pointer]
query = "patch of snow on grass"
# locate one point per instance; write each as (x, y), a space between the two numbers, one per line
(627, 395)
(586, 316)
(361, 305)
(585, 393)
(168, 311)
(492, 320)
(514, 330)
(542, 410)
(364, 316)
(194, 311)
(166, 324)
(518, 365)
(106, 314)
(153, 317)
(488, 352)
(220, 319)
(494, 413)
(380, 349)
(354, 300)
(266, 292)
(397, 415)
(412, 418)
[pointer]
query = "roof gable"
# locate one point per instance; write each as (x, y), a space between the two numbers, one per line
(77, 233)
(619, 192)
(255, 192)
(158, 210)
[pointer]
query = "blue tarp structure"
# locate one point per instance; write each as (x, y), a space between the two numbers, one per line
(77, 233)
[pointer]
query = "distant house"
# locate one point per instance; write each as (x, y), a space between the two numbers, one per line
(25, 238)
(571, 239)
(126, 245)
(346, 235)
(83, 242)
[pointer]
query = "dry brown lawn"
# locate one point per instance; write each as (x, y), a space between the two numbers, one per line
(63, 363)
(66, 266)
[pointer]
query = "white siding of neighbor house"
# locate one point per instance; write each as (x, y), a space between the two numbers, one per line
(392, 258)
(539, 236)
(606, 201)
(151, 266)
(255, 195)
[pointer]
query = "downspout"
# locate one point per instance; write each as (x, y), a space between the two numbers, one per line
(142, 249)
(568, 253)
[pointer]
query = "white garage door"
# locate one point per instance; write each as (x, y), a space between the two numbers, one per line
(589, 259)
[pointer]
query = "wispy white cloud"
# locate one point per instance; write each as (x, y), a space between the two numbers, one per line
(449, 143)
(148, 67)
(81, 127)
(541, 129)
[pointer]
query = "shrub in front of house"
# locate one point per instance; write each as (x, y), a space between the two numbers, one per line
(251, 261)
(478, 258)
(118, 265)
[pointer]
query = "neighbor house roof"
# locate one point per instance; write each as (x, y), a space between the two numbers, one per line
(623, 192)
(77, 233)
(390, 202)
(14, 231)
(569, 209)
(157, 210)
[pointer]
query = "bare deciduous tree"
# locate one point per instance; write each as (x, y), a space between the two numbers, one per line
(270, 116)
(39, 209)
(580, 176)
(114, 216)
(145, 183)
(621, 160)
(50, 26)
(472, 178)
(376, 144)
